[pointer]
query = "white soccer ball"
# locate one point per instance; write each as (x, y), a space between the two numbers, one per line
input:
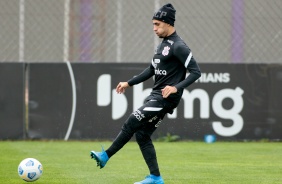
(30, 169)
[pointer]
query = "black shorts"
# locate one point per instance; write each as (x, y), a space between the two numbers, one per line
(153, 111)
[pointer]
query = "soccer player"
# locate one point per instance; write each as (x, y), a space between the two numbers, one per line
(172, 61)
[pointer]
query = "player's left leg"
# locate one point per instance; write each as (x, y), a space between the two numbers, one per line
(143, 138)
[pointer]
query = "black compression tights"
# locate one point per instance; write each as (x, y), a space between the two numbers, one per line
(143, 132)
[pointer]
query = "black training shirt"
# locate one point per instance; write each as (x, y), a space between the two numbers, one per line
(172, 59)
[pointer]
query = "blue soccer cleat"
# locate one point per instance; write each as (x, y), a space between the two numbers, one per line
(151, 179)
(100, 157)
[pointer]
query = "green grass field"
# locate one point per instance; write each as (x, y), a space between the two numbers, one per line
(180, 162)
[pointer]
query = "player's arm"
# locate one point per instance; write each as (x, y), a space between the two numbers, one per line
(143, 76)
(184, 54)
(146, 74)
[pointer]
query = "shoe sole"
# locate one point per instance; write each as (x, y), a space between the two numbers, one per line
(96, 158)
(141, 182)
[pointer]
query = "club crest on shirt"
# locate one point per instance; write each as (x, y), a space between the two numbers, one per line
(165, 51)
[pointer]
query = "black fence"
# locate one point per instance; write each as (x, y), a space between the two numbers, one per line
(78, 101)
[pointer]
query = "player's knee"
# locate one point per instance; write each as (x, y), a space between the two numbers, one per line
(138, 137)
(142, 139)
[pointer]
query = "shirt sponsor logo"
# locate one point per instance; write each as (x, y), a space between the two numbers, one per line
(157, 60)
(160, 72)
(157, 70)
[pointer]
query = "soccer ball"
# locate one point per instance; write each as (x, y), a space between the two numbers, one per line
(30, 169)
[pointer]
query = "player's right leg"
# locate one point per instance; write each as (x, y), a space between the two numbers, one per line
(131, 125)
